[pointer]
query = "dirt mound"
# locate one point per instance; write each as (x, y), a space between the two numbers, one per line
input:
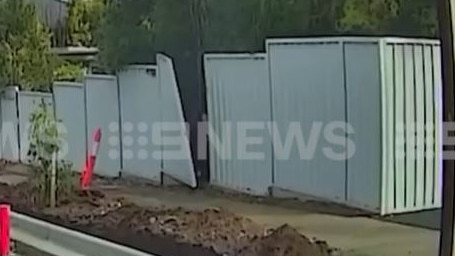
(217, 229)
(285, 241)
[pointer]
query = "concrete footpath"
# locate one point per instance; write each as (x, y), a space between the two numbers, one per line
(357, 236)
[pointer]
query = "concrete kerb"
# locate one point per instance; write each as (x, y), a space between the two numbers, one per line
(29, 230)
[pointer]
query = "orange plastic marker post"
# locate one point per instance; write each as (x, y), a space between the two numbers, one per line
(87, 173)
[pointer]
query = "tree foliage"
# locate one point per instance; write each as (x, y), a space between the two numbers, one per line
(368, 15)
(45, 142)
(25, 56)
(133, 31)
(84, 18)
(71, 71)
(127, 33)
(396, 17)
(416, 18)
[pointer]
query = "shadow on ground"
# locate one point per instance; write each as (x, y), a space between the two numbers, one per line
(430, 219)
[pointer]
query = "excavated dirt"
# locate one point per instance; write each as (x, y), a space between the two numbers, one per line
(285, 241)
(213, 231)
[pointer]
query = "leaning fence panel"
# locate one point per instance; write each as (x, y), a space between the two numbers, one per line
(176, 152)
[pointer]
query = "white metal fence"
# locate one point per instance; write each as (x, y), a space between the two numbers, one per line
(353, 103)
(412, 112)
(70, 110)
(129, 108)
(283, 120)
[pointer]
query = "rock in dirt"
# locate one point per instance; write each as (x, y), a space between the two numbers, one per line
(285, 241)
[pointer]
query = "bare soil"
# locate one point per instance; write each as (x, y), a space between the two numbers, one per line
(164, 231)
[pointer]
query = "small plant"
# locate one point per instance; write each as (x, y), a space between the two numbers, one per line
(69, 71)
(51, 177)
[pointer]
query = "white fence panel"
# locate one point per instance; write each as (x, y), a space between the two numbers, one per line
(140, 112)
(363, 101)
(10, 125)
(176, 154)
(70, 110)
(412, 87)
(238, 96)
(308, 100)
(28, 103)
(102, 108)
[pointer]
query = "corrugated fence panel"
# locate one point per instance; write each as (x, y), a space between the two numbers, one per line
(400, 152)
(413, 78)
(419, 96)
(308, 102)
(238, 96)
(177, 159)
(28, 103)
(409, 123)
(429, 120)
(10, 125)
(102, 108)
(364, 108)
(70, 110)
(388, 196)
(140, 112)
(438, 122)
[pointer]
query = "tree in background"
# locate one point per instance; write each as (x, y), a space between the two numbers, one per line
(127, 33)
(368, 16)
(132, 31)
(84, 18)
(390, 17)
(298, 17)
(25, 56)
(417, 18)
